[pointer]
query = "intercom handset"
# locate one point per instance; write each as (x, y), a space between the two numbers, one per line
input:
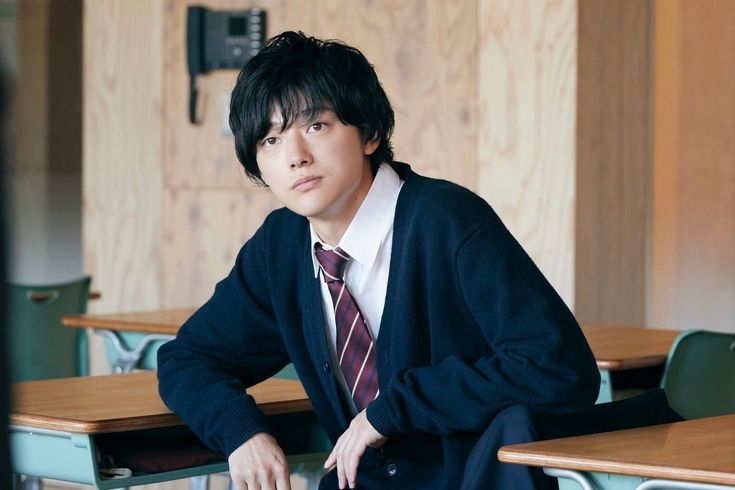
(218, 40)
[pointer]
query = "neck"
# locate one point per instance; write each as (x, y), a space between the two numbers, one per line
(329, 233)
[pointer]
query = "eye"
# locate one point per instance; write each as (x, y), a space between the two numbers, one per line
(269, 141)
(317, 126)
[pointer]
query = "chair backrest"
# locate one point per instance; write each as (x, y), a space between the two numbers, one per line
(38, 346)
(699, 377)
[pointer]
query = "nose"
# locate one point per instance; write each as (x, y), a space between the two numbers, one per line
(298, 152)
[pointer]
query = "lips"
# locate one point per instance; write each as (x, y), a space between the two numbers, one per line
(306, 183)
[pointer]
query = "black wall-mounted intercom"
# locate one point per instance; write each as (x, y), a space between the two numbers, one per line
(218, 40)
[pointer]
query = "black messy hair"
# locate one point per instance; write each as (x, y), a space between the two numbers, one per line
(301, 76)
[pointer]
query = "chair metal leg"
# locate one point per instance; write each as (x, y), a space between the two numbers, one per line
(199, 482)
(577, 476)
(29, 483)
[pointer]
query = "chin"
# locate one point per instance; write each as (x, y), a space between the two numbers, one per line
(306, 211)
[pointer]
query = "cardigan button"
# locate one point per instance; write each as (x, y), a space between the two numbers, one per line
(391, 469)
(327, 367)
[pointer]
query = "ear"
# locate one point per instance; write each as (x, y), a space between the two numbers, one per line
(369, 147)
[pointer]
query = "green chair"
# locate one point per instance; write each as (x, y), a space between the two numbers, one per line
(699, 377)
(39, 347)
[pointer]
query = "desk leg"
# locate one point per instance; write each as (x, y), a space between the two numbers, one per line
(127, 359)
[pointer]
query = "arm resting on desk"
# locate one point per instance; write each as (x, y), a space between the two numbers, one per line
(230, 343)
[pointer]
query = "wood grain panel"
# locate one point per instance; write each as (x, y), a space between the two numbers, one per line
(204, 230)
(694, 248)
(526, 141)
(613, 161)
(122, 148)
(662, 284)
(196, 155)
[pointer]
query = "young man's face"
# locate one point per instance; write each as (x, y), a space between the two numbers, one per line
(318, 169)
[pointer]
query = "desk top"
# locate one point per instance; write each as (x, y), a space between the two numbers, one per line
(624, 347)
(123, 402)
(701, 450)
(165, 322)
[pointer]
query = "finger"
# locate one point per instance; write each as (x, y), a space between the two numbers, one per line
(352, 461)
(350, 474)
(283, 482)
(264, 483)
(331, 459)
(341, 477)
(239, 483)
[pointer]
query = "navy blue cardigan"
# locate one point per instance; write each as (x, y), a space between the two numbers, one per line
(470, 326)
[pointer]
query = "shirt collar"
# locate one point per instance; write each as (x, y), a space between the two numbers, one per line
(372, 222)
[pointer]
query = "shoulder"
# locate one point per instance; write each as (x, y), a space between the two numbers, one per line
(441, 206)
(283, 219)
(280, 229)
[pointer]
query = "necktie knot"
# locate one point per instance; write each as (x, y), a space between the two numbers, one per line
(333, 262)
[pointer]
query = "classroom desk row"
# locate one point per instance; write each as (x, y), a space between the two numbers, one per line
(71, 429)
(129, 335)
(69, 420)
(61, 428)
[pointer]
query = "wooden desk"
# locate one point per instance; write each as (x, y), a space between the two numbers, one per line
(624, 347)
(166, 322)
(618, 348)
(54, 423)
(694, 454)
(132, 338)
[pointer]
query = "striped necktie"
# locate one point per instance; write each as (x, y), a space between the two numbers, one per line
(355, 346)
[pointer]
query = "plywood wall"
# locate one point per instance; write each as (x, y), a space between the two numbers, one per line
(692, 281)
(527, 55)
(613, 166)
(123, 155)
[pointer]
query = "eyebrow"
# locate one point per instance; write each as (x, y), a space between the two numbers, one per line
(307, 114)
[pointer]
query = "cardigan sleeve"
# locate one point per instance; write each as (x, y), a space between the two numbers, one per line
(230, 343)
(539, 356)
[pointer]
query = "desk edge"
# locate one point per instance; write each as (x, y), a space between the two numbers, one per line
(620, 468)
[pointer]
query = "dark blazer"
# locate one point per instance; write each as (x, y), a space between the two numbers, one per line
(470, 327)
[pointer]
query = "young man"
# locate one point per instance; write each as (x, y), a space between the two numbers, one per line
(420, 329)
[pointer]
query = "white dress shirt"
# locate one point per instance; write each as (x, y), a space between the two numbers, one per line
(368, 241)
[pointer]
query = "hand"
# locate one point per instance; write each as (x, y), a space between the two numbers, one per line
(259, 464)
(351, 446)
